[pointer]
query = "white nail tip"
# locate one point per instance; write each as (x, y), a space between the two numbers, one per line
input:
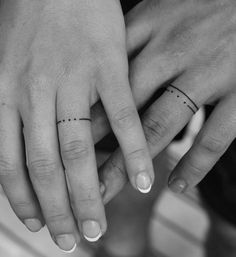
(94, 239)
(71, 250)
(145, 191)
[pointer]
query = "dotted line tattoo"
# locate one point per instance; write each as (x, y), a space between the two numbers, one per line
(188, 102)
(73, 119)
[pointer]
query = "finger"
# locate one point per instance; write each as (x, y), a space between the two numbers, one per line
(211, 143)
(162, 122)
(46, 170)
(148, 73)
(77, 151)
(138, 28)
(100, 124)
(118, 102)
(113, 175)
(13, 171)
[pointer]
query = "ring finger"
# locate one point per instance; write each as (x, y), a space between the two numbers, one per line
(78, 156)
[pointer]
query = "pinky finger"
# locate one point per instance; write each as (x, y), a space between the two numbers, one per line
(210, 144)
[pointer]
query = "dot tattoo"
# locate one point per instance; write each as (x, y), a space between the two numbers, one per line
(74, 119)
(186, 100)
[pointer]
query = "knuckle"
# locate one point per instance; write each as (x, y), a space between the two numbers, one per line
(213, 145)
(118, 170)
(90, 199)
(37, 88)
(114, 176)
(110, 58)
(23, 208)
(154, 129)
(7, 168)
(22, 205)
(57, 218)
(87, 200)
(43, 170)
(137, 154)
(7, 89)
(103, 43)
(99, 41)
(75, 150)
(7, 81)
(125, 118)
(196, 171)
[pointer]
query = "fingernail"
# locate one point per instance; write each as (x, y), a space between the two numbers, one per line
(102, 188)
(143, 183)
(66, 243)
(178, 185)
(91, 230)
(34, 225)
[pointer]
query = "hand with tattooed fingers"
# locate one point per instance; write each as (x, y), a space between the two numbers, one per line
(191, 46)
(57, 59)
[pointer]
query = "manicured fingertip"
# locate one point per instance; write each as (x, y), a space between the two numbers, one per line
(66, 243)
(70, 251)
(34, 225)
(143, 182)
(178, 185)
(91, 230)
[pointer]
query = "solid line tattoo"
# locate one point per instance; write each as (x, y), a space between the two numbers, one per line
(86, 119)
(186, 96)
(190, 105)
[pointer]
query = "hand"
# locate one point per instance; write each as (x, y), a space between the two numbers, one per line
(191, 44)
(57, 59)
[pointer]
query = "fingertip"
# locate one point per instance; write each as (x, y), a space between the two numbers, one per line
(143, 182)
(66, 242)
(102, 188)
(91, 230)
(33, 224)
(177, 185)
(70, 251)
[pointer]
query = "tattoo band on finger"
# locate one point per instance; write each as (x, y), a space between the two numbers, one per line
(183, 97)
(73, 119)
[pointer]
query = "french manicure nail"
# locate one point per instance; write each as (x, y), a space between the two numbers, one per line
(34, 225)
(66, 243)
(178, 185)
(91, 230)
(143, 182)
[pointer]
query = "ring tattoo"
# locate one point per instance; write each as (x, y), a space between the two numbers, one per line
(186, 100)
(73, 119)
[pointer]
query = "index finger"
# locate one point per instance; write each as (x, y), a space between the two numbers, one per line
(118, 102)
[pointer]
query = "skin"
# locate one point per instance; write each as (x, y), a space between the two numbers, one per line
(57, 59)
(192, 44)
